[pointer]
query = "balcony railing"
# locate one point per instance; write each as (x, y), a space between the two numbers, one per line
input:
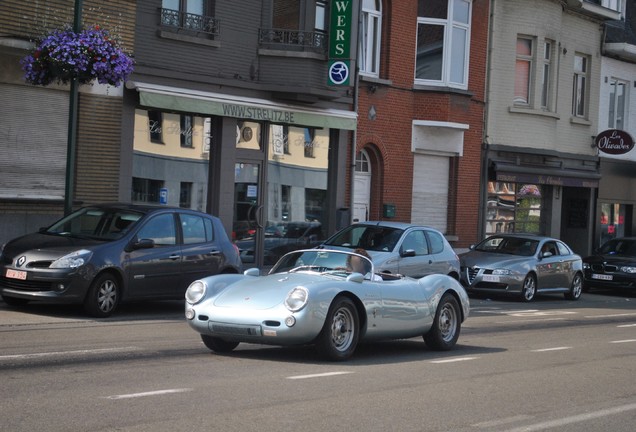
(293, 40)
(179, 20)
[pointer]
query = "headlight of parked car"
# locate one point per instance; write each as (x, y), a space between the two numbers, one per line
(628, 269)
(72, 260)
(297, 299)
(501, 272)
(196, 291)
(586, 266)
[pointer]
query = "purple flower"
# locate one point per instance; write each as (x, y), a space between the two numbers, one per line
(64, 55)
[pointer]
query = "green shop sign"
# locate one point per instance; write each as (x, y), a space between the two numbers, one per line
(340, 43)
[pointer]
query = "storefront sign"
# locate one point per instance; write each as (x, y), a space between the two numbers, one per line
(340, 43)
(546, 179)
(614, 141)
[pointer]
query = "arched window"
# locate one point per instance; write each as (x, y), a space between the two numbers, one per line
(370, 32)
(362, 162)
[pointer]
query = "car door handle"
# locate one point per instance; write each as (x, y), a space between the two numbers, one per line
(174, 257)
(214, 252)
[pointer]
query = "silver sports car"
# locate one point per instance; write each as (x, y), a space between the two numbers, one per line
(523, 264)
(313, 296)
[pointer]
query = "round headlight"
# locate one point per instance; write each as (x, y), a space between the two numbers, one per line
(196, 291)
(297, 299)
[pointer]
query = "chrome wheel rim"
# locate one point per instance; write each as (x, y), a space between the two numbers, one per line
(577, 286)
(107, 296)
(447, 322)
(528, 288)
(342, 329)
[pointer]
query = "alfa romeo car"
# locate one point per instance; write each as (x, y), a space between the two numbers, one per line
(102, 255)
(313, 296)
(523, 265)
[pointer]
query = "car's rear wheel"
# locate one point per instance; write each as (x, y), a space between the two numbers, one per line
(446, 325)
(529, 288)
(14, 301)
(576, 288)
(103, 296)
(217, 344)
(339, 336)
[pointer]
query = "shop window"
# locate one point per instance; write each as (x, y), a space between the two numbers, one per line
(146, 190)
(513, 208)
(185, 195)
(186, 131)
(155, 126)
(310, 134)
(612, 221)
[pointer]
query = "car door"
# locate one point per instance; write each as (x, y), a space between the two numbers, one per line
(439, 261)
(568, 265)
(155, 271)
(202, 255)
(548, 267)
(415, 258)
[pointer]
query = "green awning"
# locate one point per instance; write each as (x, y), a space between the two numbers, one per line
(245, 108)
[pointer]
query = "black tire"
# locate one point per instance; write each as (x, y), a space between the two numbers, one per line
(218, 345)
(529, 288)
(576, 288)
(103, 296)
(339, 336)
(14, 301)
(447, 324)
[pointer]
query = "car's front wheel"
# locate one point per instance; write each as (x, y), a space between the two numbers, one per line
(529, 288)
(446, 325)
(103, 296)
(576, 288)
(339, 336)
(218, 345)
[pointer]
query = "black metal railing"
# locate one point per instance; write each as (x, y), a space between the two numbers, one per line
(293, 39)
(190, 22)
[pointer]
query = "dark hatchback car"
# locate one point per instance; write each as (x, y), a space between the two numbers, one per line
(613, 265)
(105, 254)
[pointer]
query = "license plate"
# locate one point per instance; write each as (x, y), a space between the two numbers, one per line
(602, 276)
(16, 274)
(490, 278)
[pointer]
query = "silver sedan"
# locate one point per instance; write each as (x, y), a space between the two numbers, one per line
(523, 264)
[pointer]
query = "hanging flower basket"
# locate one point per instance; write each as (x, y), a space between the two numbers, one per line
(88, 55)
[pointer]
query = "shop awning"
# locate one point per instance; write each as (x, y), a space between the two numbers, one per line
(506, 172)
(254, 109)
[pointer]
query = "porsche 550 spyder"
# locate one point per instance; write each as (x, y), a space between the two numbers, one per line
(314, 296)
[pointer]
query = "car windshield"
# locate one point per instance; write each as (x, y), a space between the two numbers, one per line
(509, 245)
(619, 247)
(96, 223)
(369, 237)
(322, 261)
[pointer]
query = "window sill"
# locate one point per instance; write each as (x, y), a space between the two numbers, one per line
(442, 89)
(375, 80)
(532, 111)
(580, 121)
(190, 39)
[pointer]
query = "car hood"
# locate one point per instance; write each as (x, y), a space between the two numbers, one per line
(490, 259)
(265, 292)
(47, 245)
(611, 259)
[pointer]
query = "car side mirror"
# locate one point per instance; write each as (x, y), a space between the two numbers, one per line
(408, 253)
(546, 254)
(143, 244)
(252, 272)
(471, 247)
(355, 277)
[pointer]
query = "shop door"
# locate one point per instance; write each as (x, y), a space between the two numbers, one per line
(248, 223)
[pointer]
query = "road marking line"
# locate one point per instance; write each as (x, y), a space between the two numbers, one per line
(320, 375)
(552, 349)
(623, 341)
(574, 419)
(453, 360)
(626, 325)
(513, 321)
(61, 353)
(151, 393)
(503, 421)
(610, 316)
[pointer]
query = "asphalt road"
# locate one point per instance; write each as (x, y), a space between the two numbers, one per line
(551, 365)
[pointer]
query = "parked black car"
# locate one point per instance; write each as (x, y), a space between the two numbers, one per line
(613, 265)
(105, 254)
